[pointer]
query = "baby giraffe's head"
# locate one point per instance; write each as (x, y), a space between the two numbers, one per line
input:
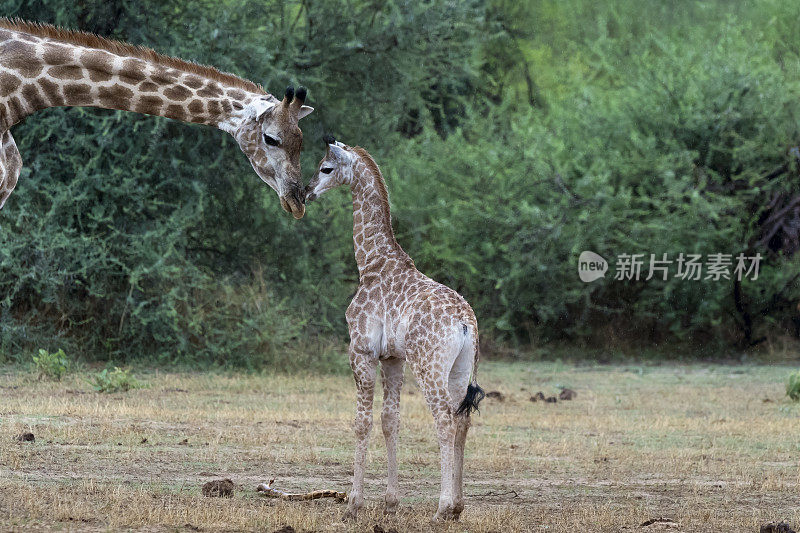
(335, 169)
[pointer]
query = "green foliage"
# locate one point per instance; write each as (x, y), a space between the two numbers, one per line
(669, 151)
(793, 386)
(118, 380)
(51, 365)
(513, 136)
(132, 236)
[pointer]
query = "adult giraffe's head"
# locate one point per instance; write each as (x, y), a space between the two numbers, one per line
(271, 138)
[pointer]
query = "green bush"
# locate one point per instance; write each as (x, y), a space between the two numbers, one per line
(671, 151)
(793, 386)
(51, 365)
(134, 237)
(118, 380)
(513, 136)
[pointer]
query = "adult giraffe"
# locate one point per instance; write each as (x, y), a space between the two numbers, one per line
(43, 66)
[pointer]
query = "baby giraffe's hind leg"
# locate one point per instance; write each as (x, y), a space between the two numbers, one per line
(10, 166)
(392, 374)
(434, 387)
(457, 383)
(463, 422)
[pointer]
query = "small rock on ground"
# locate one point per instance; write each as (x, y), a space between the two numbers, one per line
(659, 524)
(776, 527)
(26, 437)
(495, 395)
(219, 488)
(567, 394)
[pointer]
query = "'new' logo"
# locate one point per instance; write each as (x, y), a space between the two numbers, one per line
(591, 266)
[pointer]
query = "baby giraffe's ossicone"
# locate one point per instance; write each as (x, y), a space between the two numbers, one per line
(399, 315)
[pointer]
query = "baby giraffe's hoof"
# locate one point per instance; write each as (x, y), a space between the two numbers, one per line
(390, 505)
(447, 514)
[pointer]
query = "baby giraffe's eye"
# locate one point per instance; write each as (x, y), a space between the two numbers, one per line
(271, 141)
(326, 170)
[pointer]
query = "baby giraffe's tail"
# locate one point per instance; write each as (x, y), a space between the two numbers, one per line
(470, 402)
(474, 392)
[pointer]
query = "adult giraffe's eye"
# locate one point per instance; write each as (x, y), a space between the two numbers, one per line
(326, 170)
(271, 141)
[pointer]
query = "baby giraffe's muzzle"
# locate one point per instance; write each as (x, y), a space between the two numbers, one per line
(310, 195)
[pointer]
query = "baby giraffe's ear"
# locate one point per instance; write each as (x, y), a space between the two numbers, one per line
(340, 154)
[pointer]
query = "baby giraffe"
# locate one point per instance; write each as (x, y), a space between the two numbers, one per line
(400, 315)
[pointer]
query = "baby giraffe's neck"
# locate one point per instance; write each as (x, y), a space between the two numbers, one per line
(373, 238)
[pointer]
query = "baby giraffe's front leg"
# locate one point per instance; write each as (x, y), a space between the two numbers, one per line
(364, 366)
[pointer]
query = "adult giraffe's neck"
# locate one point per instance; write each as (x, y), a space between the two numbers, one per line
(373, 238)
(40, 71)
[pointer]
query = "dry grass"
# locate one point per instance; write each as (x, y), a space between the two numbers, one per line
(697, 444)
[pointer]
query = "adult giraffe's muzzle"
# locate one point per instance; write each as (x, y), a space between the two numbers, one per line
(294, 202)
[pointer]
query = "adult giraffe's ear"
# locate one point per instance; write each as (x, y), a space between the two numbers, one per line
(299, 101)
(260, 107)
(304, 111)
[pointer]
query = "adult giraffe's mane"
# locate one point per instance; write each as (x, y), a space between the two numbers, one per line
(90, 40)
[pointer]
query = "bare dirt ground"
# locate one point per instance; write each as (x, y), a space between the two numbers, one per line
(711, 448)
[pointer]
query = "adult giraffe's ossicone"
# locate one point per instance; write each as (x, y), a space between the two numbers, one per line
(43, 66)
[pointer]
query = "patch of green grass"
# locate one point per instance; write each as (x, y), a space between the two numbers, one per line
(793, 386)
(118, 380)
(51, 365)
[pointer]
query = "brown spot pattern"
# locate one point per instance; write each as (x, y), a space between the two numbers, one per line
(51, 91)
(214, 108)
(115, 96)
(193, 82)
(34, 98)
(148, 87)
(149, 105)
(165, 76)
(211, 90)
(175, 111)
(16, 108)
(21, 57)
(132, 71)
(66, 72)
(78, 94)
(57, 55)
(8, 83)
(236, 94)
(178, 93)
(100, 65)
(196, 107)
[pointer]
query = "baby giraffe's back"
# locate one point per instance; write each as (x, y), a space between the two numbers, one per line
(434, 315)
